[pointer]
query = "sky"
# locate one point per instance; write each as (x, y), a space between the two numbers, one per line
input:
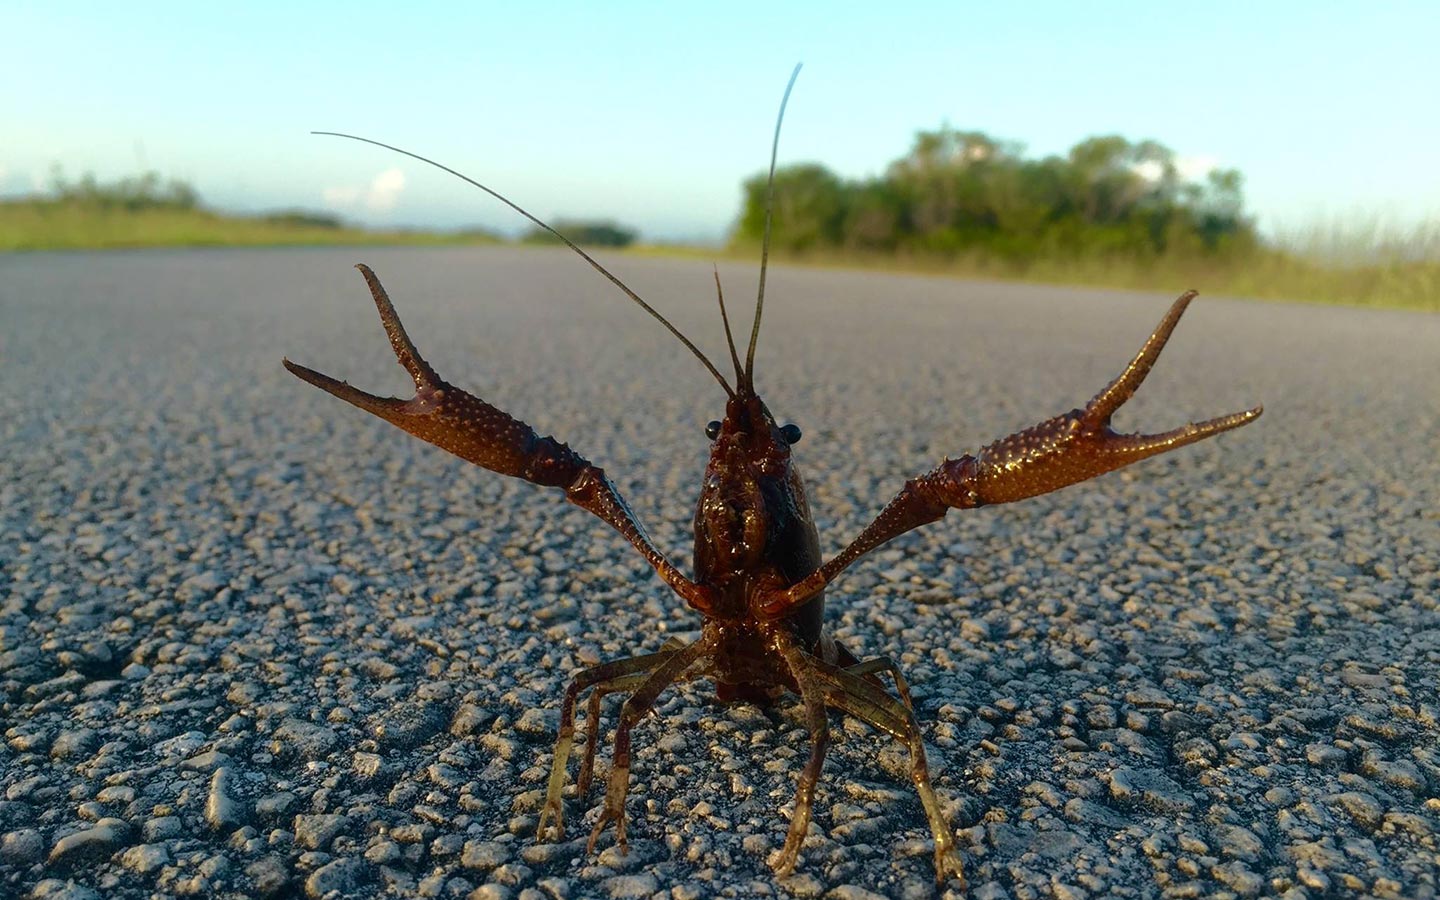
(653, 114)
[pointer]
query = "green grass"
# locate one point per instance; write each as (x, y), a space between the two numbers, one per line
(1357, 262)
(1358, 267)
(59, 225)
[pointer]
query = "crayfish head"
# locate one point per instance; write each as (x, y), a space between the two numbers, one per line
(749, 441)
(752, 521)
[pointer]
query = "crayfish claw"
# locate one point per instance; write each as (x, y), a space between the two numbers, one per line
(1123, 387)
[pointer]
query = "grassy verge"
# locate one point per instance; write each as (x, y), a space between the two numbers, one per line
(1366, 265)
(1273, 274)
(52, 225)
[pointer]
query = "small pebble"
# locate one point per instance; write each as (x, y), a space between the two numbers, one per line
(90, 844)
(221, 810)
(317, 831)
(145, 858)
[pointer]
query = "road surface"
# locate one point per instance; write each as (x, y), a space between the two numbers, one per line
(255, 642)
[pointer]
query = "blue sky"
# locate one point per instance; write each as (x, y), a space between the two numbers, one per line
(654, 113)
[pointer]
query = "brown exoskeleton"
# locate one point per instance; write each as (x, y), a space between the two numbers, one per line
(758, 581)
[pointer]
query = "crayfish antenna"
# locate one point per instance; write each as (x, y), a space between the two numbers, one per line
(594, 264)
(765, 242)
(729, 337)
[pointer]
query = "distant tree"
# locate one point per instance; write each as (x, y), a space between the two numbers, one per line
(958, 192)
(947, 179)
(303, 218)
(598, 234)
(809, 208)
(874, 214)
(145, 191)
(1221, 221)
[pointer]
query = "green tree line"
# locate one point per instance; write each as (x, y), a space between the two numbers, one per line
(599, 233)
(964, 193)
(135, 192)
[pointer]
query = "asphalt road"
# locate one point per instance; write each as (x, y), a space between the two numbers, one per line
(254, 642)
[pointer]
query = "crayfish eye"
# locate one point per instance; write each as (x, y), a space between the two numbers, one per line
(712, 431)
(790, 432)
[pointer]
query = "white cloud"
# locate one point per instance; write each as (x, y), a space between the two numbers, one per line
(385, 190)
(1150, 170)
(380, 195)
(1188, 168)
(1194, 168)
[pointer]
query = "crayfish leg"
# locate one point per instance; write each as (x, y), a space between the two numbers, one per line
(852, 691)
(619, 675)
(670, 670)
(817, 721)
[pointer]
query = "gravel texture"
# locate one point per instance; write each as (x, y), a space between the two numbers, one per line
(256, 643)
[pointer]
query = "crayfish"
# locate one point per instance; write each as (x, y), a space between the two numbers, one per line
(758, 580)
